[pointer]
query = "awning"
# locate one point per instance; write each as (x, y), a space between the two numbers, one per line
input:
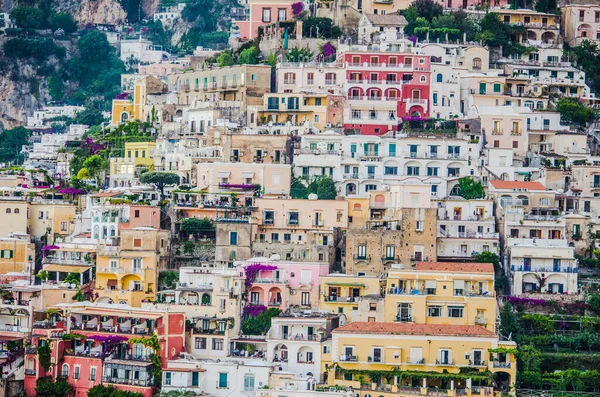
(66, 268)
(117, 313)
(459, 284)
(430, 283)
(346, 284)
(224, 174)
(247, 174)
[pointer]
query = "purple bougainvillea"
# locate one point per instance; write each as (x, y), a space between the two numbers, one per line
(123, 95)
(412, 38)
(91, 146)
(253, 270)
(328, 50)
(71, 191)
(50, 248)
(525, 301)
(297, 8)
(253, 310)
(243, 186)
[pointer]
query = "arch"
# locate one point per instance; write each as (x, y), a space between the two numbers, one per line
(16, 211)
(379, 200)
(548, 37)
(392, 93)
(206, 299)
(65, 370)
(104, 231)
(505, 200)
(374, 93)
(104, 299)
(415, 111)
(455, 191)
(439, 77)
(20, 312)
(539, 105)
(355, 92)
(502, 381)
(531, 35)
(505, 176)
(305, 355)
(138, 351)
(584, 30)
(281, 352)
(351, 190)
(124, 117)
(357, 207)
(476, 63)
(113, 231)
(8, 210)
(275, 296)
(96, 231)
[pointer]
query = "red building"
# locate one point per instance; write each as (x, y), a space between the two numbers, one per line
(97, 348)
(382, 88)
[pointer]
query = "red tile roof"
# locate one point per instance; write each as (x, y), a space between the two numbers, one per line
(455, 267)
(415, 329)
(517, 185)
(107, 194)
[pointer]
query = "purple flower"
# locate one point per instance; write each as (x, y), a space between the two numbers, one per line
(297, 8)
(243, 186)
(252, 271)
(123, 95)
(412, 38)
(253, 310)
(71, 191)
(50, 248)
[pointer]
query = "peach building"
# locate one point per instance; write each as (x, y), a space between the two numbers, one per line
(505, 128)
(581, 22)
(275, 179)
(264, 12)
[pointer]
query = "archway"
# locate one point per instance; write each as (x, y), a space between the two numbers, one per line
(281, 353)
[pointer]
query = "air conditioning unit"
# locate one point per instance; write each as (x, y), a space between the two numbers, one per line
(292, 292)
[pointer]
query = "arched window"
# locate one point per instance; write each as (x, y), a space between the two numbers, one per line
(524, 199)
(124, 117)
(439, 78)
(96, 231)
(138, 350)
(104, 231)
(65, 371)
(248, 382)
(112, 231)
(476, 63)
(8, 210)
(205, 299)
(357, 207)
(16, 211)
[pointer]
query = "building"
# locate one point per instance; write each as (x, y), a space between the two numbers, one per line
(136, 51)
(127, 273)
(264, 12)
(418, 349)
(137, 158)
(311, 77)
(298, 108)
(90, 360)
(358, 298)
(274, 179)
(371, 26)
(441, 293)
(17, 254)
(136, 108)
(580, 22)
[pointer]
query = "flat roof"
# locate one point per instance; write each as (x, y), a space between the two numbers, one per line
(415, 329)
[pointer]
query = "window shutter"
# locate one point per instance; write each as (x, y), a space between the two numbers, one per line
(459, 284)
(430, 283)
(366, 147)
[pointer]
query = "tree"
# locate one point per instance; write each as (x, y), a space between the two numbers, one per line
(546, 6)
(110, 391)
(497, 31)
(11, 144)
(249, 56)
(298, 189)
(94, 165)
(509, 323)
(46, 387)
(470, 189)
(160, 180)
(260, 324)
(318, 27)
(64, 21)
(428, 9)
(196, 226)
(299, 55)
(28, 17)
(585, 55)
(168, 279)
(572, 111)
(488, 257)
(594, 302)
(324, 188)
(224, 59)
(91, 115)
(56, 86)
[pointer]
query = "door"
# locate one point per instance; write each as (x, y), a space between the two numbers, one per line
(477, 357)
(527, 264)
(310, 333)
(222, 380)
(377, 355)
(286, 331)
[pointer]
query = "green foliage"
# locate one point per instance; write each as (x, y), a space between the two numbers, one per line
(561, 361)
(299, 55)
(56, 86)
(43, 352)
(168, 279)
(72, 278)
(538, 322)
(572, 111)
(323, 26)
(110, 391)
(509, 323)
(272, 60)
(470, 189)
(32, 48)
(196, 225)
(160, 179)
(322, 186)
(26, 17)
(189, 247)
(133, 9)
(594, 302)
(585, 55)
(546, 6)
(91, 115)
(529, 379)
(195, 37)
(152, 343)
(158, 35)
(260, 324)
(46, 387)
(11, 143)
(494, 32)
(249, 56)
(79, 296)
(224, 59)
(488, 257)
(529, 358)
(64, 21)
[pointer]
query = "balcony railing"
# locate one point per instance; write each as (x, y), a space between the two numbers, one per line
(128, 381)
(480, 320)
(419, 361)
(340, 299)
(498, 364)
(345, 358)
(405, 318)
(30, 372)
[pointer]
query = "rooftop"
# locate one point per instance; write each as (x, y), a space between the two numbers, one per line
(415, 329)
(517, 185)
(387, 19)
(455, 267)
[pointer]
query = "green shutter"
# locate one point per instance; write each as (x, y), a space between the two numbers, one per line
(376, 149)
(482, 88)
(392, 149)
(195, 381)
(366, 148)
(353, 148)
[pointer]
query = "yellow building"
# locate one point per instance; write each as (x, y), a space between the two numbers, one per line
(442, 293)
(358, 212)
(137, 108)
(538, 27)
(137, 156)
(17, 254)
(343, 294)
(404, 359)
(127, 273)
(296, 108)
(53, 218)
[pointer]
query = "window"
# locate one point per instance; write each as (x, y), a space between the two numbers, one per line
(497, 87)
(65, 371)
(137, 264)
(287, 237)
(8, 210)
(368, 188)
(76, 372)
(455, 311)
(249, 382)
(233, 238)
(40, 214)
(362, 251)
(7, 254)
(477, 63)
(515, 144)
(137, 242)
(293, 218)
(404, 312)
(217, 344)
(434, 311)
(222, 383)
(167, 378)
(412, 171)
(266, 15)
(392, 150)
(390, 171)
(390, 252)
(318, 219)
(200, 343)
(545, 202)
(419, 226)
(305, 299)
(281, 14)
(93, 373)
(432, 171)
(377, 355)
(445, 357)
(63, 225)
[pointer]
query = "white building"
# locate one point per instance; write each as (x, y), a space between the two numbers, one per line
(167, 15)
(43, 118)
(142, 51)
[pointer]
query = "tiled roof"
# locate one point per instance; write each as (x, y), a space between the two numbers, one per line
(387, 19)
(455, 267)
(415, 329)
(517, 185)
(107, 194)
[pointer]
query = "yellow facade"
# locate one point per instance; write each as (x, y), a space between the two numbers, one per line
(124, 110)
(135, 154)
(442, 293)
(358, 211)
(342, 293)
(51, 218)
(404, 350)
(296, 108)
(16, 256)
(128, 273)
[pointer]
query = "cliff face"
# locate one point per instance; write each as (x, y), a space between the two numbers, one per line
(107, 12)
(17, 101)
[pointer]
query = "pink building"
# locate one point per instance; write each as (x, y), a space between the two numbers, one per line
(144, 216)
(264, 12)
(456, 4)
(383, 88)
(283, 284)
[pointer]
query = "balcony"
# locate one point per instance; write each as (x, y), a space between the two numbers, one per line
(270, 281)
(346, 359)
(497, 131)
(127, 381)
(390, 259)
(289, 81)
(499, 364)
(480, 320)
(443, 362)
(351, 176)
(477, 363)
(275, 303)
(362, 258)
(341, 299)
(515, 132)
(330, 82)
(310, 82)
(30, 372)
(404, 318)
(420, 361)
